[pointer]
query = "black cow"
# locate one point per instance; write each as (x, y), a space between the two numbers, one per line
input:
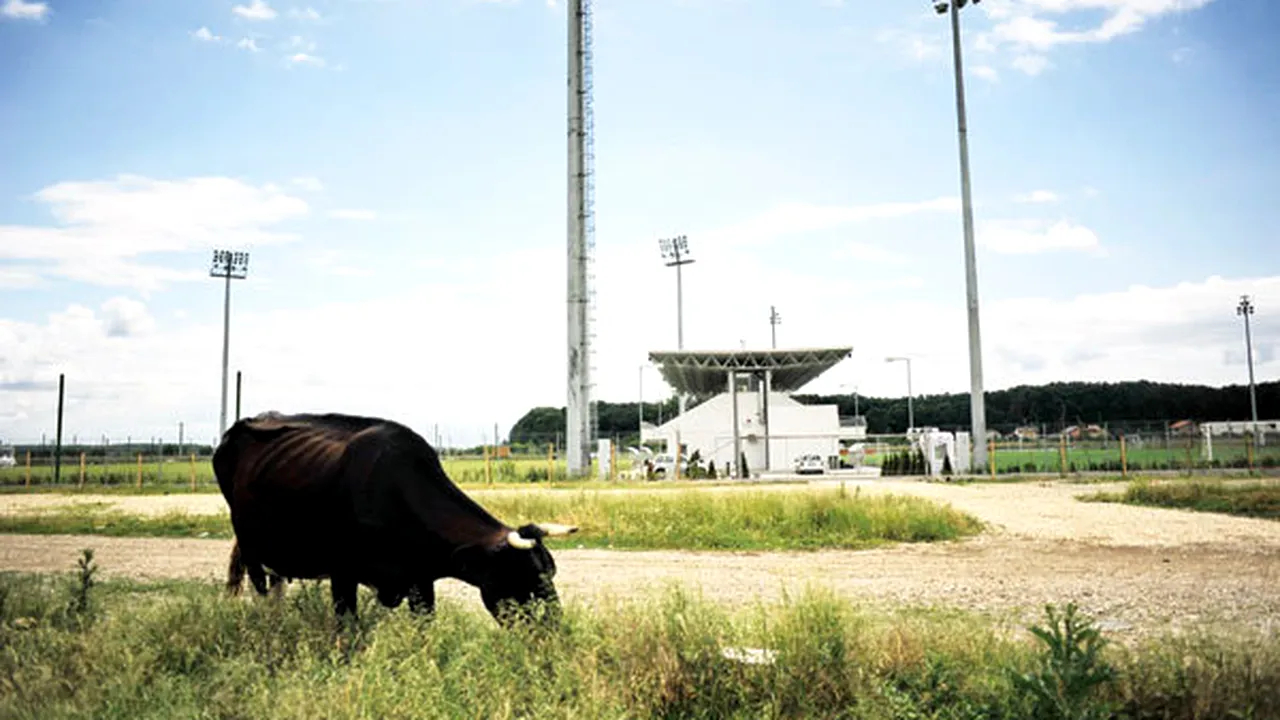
(362, 500)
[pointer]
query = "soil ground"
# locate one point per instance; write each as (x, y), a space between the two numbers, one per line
(1136, 569)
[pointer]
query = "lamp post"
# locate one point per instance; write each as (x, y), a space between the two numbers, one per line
(911, 415)
(227, 265)
(774, 321)
(675, 251)
(1245, 309)
(977, 404)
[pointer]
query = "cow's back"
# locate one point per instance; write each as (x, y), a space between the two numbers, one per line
(282, 479)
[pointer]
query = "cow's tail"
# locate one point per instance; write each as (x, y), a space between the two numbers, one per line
(235, 571)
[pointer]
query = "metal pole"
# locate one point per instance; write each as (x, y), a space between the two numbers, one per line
(57, 452)
(737, 438)
(773, 325)
(1245, 308)
(768, 387)
(181, 444)
(577, 414)
(640, 411)
(680, 318)
(977, 404)
(911, 413)
(226, 342)
(237, 395)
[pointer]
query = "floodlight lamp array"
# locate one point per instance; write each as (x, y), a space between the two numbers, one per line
(228, 263)
(674, 247)
(942, 6)
(1245, 307)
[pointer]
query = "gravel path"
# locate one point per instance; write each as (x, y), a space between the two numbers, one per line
(1137, 569)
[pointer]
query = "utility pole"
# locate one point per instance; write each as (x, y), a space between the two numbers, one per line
(977, 402)
(57, 452)
(675, 251)
(911, 414)
(774, 321)
(1245, 309)
(227, 265)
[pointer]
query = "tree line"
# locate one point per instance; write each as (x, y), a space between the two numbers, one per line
(1053, 407)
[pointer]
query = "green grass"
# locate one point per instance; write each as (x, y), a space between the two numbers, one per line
(1249, 499)
(688, 519)
(174, 475)
(72, 649)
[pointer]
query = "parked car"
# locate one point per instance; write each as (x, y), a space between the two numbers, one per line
(665, 465)
(810, 464)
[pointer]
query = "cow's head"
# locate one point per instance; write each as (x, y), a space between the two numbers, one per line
(522, 572)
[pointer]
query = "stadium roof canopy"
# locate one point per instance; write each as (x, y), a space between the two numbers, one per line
(704, 372)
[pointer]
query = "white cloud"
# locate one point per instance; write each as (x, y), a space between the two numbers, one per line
(353, 214)
(1026, 237)
(205, 35)
(1031, 64)
(255, 10)
(248, 44)
(795, 218)
(305, 59)
(18, 278)
(308, 13)
(870, 255)
(124, 317)
(22, 10)
(986, 72)
(297, 42)
(104, 227)
(1037, 196)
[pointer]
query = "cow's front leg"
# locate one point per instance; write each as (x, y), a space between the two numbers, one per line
(343, 591)
(422, 598)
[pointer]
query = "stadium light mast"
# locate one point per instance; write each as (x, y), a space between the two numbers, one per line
(229, 266)
(977, 403)
(911, 415)
(675, 251)
(774, 321)
(1245, 309)
(581, 226)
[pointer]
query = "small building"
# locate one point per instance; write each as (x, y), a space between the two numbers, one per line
(746, 409)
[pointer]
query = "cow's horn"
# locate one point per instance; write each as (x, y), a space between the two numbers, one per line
(515, 541)
(556, 529)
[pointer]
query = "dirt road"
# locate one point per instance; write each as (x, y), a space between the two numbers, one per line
(1137, 569)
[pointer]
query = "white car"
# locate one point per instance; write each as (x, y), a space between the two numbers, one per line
(810, 465)
(6, 458)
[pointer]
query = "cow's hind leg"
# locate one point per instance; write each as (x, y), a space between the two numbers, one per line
(235, 570)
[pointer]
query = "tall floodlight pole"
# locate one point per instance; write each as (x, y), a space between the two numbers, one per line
(1245, 309)
(977, 404)
(911, 414)
(229, 266)
(774, 321)
(675, 251)
(577, 430)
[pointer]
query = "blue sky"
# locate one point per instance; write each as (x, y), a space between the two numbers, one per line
(397, 170)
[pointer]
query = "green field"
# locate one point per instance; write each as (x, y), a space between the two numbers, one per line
(1248, 499)
(174, 474)
(674, 519)
(73, 648)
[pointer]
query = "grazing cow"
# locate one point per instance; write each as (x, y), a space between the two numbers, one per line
(365, 501)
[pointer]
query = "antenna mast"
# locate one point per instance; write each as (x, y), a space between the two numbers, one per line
(581, 419)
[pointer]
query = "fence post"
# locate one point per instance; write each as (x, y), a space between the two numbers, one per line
(1062, 454)
(991, 455)
(613, 462)
(1124, 460)
(139, 471)
(193, 472)
(488, 471)
(28, 468)
(551, 462)
(82, 470)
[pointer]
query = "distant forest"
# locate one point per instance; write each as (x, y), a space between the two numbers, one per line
(1054, 406)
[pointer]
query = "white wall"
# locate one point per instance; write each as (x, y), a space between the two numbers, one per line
(795, 429)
